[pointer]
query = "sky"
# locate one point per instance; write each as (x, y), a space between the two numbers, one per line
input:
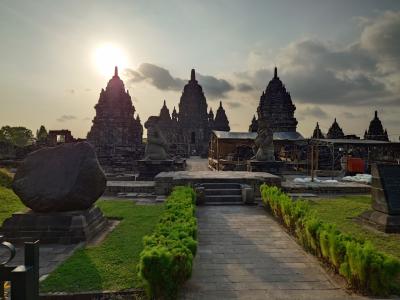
(338, 59)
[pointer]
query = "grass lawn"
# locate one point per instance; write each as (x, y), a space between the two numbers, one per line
(9, 204)
(112, 264)
(341, 212)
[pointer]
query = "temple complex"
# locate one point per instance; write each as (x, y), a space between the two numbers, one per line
(221, 122)
(115, 133)
(317, 134)
(335, 131)
(277, 107)
(375, 130)
(188, 131)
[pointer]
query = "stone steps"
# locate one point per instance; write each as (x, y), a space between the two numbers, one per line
(223, 200)
(221, 185)
(222, 193)
(233, 192)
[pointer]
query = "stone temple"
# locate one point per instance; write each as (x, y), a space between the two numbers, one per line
(221, 122)
(317, 134)
(335, 131)
(188, 131)
(375, 130)
(115, 133)
(254, 125)
(277, 107)
(193, 123)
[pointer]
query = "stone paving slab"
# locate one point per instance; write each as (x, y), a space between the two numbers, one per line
(244, 254)
(50, 256)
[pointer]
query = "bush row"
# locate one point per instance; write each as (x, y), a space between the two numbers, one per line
(166, 260)
(5, 178)
(364, 268)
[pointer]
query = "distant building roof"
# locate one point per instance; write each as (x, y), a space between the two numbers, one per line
(351, 141)
(228, 135)
(288, 136)
(278, 136)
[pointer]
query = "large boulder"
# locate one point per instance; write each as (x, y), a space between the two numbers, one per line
(63, 178)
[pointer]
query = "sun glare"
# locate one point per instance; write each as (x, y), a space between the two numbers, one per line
(107, 56)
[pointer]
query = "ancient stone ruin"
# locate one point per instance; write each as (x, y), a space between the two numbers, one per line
(188, 131)
(254, 125)
(277, 107)
(115, 133)
(335, 131)
(375, 130)
(221, 122)
(317, 133)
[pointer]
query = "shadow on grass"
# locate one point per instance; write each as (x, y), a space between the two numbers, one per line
(74, 275)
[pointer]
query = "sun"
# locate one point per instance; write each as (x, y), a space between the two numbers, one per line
(107, 56)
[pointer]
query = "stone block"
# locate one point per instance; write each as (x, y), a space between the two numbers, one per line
(54, 228)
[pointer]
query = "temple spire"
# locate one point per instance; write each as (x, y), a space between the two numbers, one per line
(116, 71)
(376, 114)
(193, 75)
(165, 103)
(276, 72)
(220, 104)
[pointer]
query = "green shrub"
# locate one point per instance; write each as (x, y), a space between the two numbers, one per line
(167, 258)
(357, 261)
(5, 178)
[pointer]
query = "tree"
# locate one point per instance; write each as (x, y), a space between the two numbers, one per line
(17, 136)
(41, 134)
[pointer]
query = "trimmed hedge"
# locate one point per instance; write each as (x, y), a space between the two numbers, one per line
(167, 258)
(364, 268)
(5, 179)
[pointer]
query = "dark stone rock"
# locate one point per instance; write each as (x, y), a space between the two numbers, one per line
(63, 178)
(386, 188)
(381, 221)
(385, 191)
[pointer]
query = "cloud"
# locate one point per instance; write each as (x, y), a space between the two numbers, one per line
(244, 87)
(214, 87)
(381, 37)
(314, 111)
(65, 118)
(162, 79)
(364, 72)
(232, 104)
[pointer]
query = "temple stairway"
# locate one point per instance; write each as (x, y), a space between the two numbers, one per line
(223, 193)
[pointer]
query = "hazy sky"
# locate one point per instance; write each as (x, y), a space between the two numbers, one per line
(337, 58)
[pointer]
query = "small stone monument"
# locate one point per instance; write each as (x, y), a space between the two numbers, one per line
(59, 185)
(157, 146)
(265, 158)
(385, 191)
(156, 159)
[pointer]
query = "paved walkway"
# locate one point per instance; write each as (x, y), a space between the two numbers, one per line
(244, 254)
(50, 256)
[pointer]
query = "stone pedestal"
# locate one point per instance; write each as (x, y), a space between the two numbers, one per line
(381, 221)
(273, 167)
(385, 191)
(148, 169)
(54, 228)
